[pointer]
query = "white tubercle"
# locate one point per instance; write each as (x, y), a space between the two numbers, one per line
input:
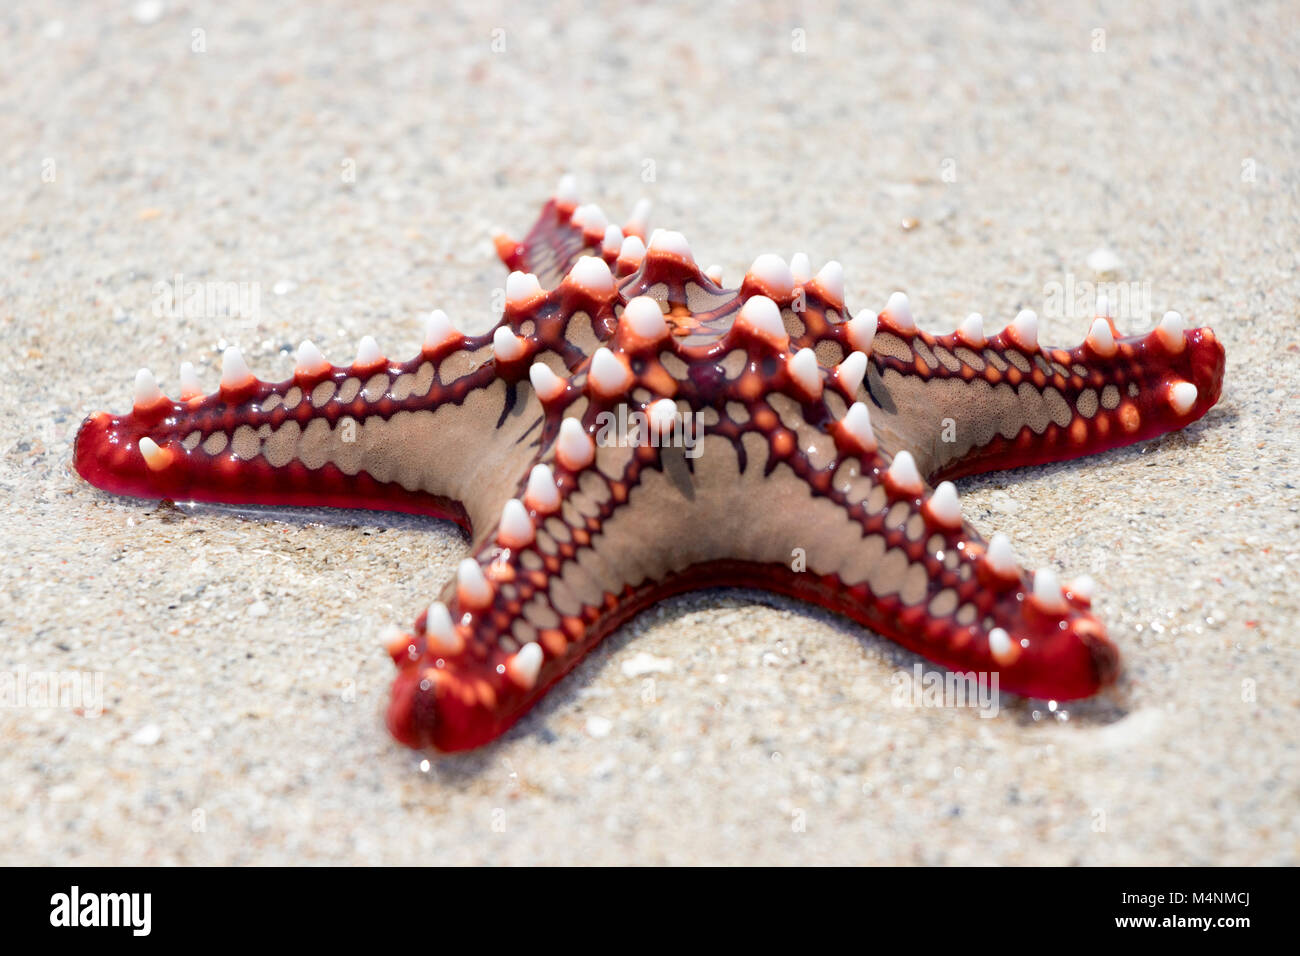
(368, 352)
(516, 528)
(645, 318)
(1083, 587)
(308, 360)
(1024, 327)
(1103, 306)
(802, 367)
(800, 268)
(542, 495)
(154, 456)
(640, 217)
(632, 250)
(508, 347)
(520, 287)
(971, 331)
(851, 372)
(772, 273)
(189, 382)
(945, 506)
(147, 392)
(440, 630)
(1100, 339)
(523, 666)
(830, 279)
(438, 329)
(902, 471)
(472, 588)
(566, 191)
(761, 315)
(1003, 649)
(613, 240)
(546, 383)
(592, 274)
(714, 273)
(1000, 557)
(662, 415)
(574, 448)
(668, 242)
(857, 424)
(1047, 590)
(862, 330)
(899, 310)
(1170, 331)
(234, 370)
(608, 374)
(591, 218)
(1182, 396)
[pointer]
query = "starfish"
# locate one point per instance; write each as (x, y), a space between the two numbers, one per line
(632, 429)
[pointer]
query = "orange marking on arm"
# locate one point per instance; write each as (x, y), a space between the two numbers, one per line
(1130, 417)
(553, 641)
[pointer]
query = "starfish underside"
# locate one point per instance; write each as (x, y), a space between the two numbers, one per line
(631, 429)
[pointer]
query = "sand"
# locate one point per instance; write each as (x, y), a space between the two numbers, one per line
(350, 165)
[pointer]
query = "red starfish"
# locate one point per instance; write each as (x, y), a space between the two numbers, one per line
(638, 431)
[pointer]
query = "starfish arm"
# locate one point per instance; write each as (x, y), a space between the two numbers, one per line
(522, 611)
(375, 434)
(900, 559)
(966, 404)
(566, 230)
(1082, 401)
